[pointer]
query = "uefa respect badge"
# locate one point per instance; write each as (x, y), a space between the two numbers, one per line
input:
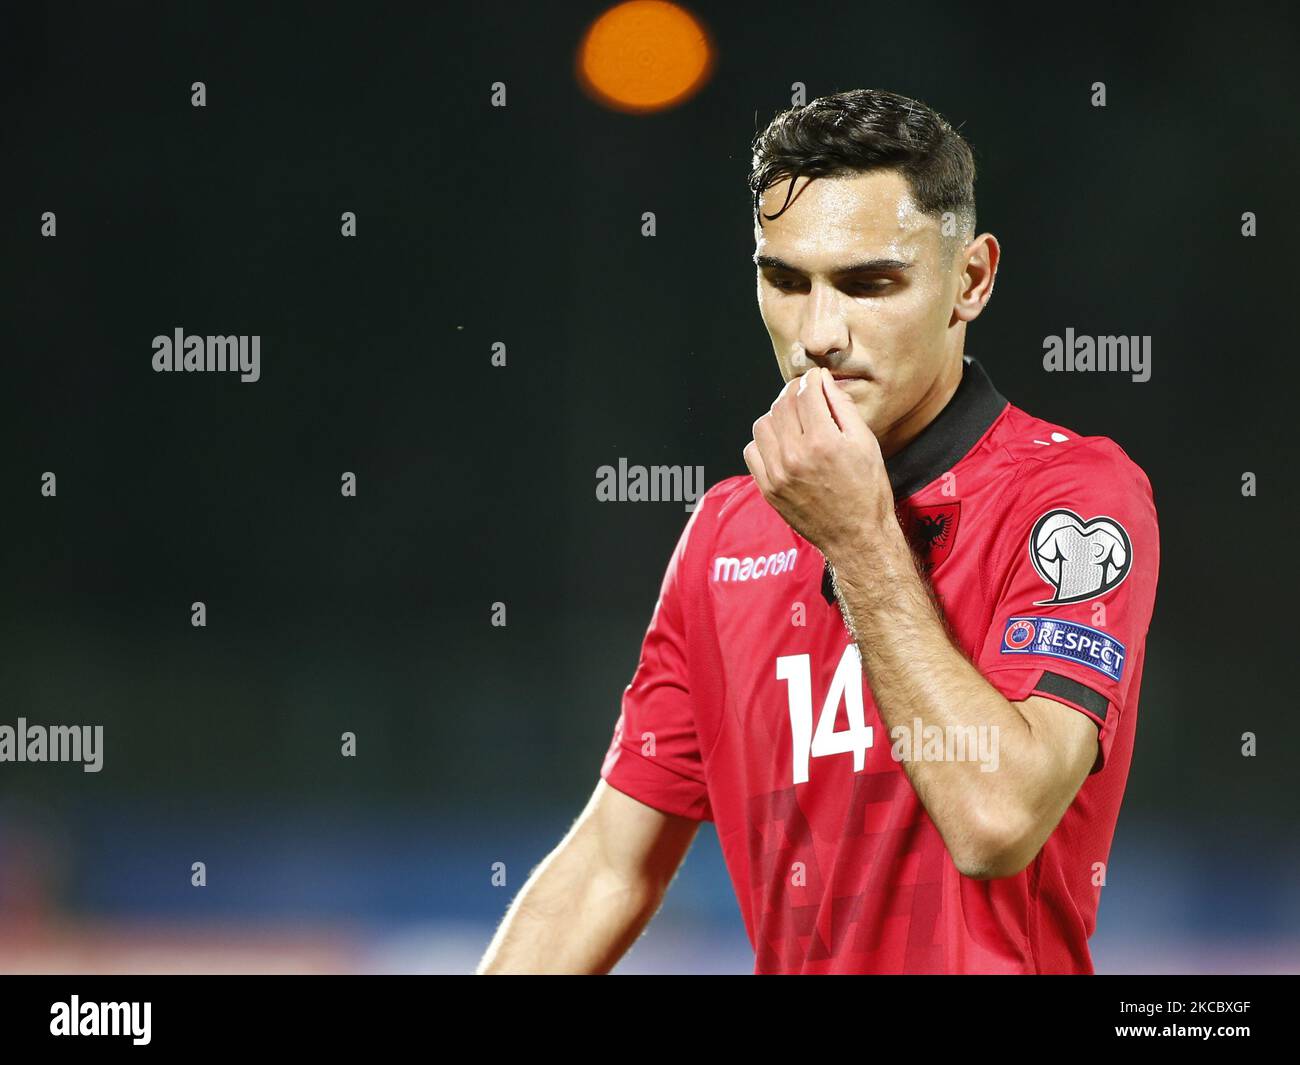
(1065, 639)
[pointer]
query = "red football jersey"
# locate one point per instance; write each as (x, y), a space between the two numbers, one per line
(749, 706)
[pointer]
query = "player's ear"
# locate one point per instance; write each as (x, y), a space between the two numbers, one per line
(978, 268)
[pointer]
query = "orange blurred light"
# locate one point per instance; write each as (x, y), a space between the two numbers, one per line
(644, 55)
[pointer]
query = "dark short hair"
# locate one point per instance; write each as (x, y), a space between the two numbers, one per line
(863, 130)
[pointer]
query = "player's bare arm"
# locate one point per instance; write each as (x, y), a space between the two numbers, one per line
(820, 466)
(594, 894)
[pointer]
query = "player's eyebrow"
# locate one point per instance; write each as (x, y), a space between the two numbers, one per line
(863, 267)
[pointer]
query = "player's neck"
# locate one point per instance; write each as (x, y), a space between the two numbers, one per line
(902, 433)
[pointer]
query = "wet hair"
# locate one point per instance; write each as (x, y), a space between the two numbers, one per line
(863, 130)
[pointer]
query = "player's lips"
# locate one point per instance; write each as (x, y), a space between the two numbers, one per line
(843, 377)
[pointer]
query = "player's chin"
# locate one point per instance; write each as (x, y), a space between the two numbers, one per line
(878, 416)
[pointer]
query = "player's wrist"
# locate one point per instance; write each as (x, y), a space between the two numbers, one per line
(864, 550)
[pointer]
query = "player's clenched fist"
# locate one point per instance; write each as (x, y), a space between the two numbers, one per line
(819, 465)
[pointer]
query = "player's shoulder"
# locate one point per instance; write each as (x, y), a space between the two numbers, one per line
(732, 502)
(727, 494)
(1047, 454)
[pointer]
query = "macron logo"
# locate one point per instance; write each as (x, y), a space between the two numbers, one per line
(750, 569)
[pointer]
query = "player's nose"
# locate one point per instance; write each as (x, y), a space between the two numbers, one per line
(823, 331)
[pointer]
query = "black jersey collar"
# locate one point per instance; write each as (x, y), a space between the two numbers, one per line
(949, 437)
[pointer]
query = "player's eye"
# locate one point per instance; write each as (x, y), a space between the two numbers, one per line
(866, 287)
(783, 284)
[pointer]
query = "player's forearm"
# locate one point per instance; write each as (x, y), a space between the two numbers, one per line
(919, 679)
(569, 919)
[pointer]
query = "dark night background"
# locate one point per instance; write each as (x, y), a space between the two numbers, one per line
(521, 225)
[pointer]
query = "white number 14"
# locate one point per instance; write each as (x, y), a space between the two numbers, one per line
(796, 671)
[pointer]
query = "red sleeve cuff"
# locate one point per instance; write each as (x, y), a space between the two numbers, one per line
(1019, 684)
(654, 784)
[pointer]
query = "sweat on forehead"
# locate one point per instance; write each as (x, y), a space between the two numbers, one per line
(877, 202)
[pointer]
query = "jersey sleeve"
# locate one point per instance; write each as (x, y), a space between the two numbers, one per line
(1075, 586)
(654, 755)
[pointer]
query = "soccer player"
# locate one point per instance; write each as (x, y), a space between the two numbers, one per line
(898, 664)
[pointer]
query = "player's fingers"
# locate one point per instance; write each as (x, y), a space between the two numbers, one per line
(768, 443)
(754, 460)
(842, 410)
(814, 414)
(785, 411)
